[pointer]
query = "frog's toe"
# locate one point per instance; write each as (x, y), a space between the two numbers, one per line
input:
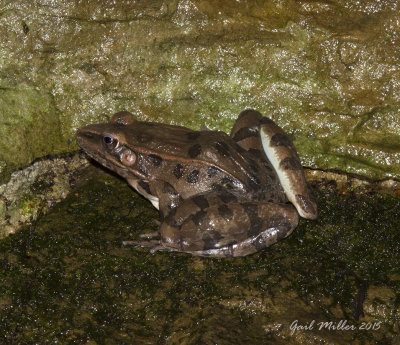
(160, 248)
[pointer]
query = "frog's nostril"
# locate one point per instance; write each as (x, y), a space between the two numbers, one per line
(87, 135)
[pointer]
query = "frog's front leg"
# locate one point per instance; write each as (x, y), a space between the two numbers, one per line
(212, 225)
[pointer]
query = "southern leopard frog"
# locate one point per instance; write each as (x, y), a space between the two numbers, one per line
(218, 195)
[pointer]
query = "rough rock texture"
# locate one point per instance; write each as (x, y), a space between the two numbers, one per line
(31, 192)
(326, 71)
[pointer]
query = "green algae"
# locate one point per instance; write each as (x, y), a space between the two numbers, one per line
(68, 279)
(326, 71)
(29, 204)
(27, 131)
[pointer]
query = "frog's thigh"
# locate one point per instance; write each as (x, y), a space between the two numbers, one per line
(283, 157)
(235, 229)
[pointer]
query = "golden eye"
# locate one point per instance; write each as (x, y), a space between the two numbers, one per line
(128, 158)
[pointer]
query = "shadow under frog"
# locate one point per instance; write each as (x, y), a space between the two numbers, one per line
(218, 195)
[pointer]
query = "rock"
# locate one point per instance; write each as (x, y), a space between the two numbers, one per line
(31, 192)
(327, 72)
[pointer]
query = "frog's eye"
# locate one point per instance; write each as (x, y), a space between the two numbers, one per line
(127, 157)
(110, 141)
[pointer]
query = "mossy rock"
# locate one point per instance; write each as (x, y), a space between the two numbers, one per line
(327, 72)
(68, 279)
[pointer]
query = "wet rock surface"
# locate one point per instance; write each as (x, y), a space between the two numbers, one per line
(67, 279)
(327, 72)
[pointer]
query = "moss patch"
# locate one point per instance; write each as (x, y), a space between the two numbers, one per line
(29, 127)
(67, 278)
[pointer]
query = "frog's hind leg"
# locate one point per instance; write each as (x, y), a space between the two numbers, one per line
(283, 157)
(260, 135)
(227, 229)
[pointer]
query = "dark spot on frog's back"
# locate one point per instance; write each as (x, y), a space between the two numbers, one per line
(198, 217)
(290, 163)
(194, 151)
(280, 139)
(256, 222)
(228, 183)
(193, 177)
(178, 171)
(227, 197)
(155, 159)
(201, 201)
(212, 171)
(193, 135)
(169, 189)
(251, 209)
(222, 148)
(225, 212)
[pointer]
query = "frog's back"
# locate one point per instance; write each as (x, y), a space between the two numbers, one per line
(217, 157)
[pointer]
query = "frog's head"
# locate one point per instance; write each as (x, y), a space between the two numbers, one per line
(109, 144)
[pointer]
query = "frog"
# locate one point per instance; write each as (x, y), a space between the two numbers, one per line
(218, 195)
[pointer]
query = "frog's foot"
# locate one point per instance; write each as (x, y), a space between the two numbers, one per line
(228, 229)
(146, 244)
(260, 135)
(155, 246)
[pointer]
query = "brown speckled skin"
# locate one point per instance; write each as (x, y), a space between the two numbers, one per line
(218, 195)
